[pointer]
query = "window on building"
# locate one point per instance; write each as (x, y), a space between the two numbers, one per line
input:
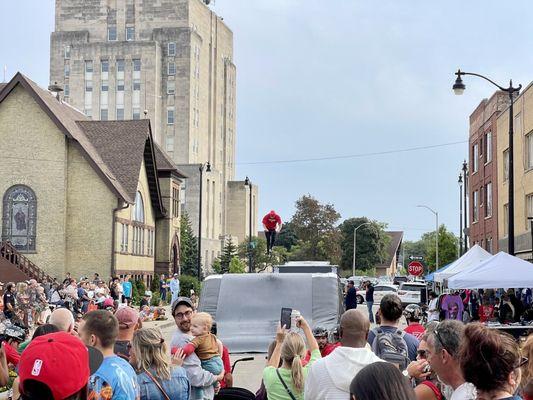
(67, 90)
(488, 202)
(124, 240)
(67, 52)
(104, 114)
(136, 65)
(19, 217)
(529, 150)
(506, 165)
(88, 112)
(130, 33)
(138, 208)
(171, 49)
(529, 209)
(104, 66)
(175, 202)
(136, 113)
(120, 65)
(171, 87)
(488, 247)
(506, 220)
(475, 158)
(120, 114)
(136, 84)
(170, 116)
(120, 85)
(169, 143)
(183, 192)
(112, 33)
(488, 144)
(89, 86)
(67, 70)
(475, 206)
(105, 86)
(171, 70)
(88, 66)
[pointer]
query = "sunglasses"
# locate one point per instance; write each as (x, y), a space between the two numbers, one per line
(437, 335)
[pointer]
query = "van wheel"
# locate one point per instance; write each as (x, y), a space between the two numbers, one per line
(360, 299)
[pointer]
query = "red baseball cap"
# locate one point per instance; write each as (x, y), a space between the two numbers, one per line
(60, 361)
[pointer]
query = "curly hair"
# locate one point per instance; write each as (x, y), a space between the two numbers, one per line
(487, 357)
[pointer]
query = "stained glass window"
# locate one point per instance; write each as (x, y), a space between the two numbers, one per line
(19, 217)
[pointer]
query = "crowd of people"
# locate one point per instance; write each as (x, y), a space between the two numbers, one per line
(78, 351)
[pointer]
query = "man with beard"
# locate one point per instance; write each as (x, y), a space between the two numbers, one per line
(201, 380)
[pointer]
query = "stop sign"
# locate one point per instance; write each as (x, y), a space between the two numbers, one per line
(415, 268)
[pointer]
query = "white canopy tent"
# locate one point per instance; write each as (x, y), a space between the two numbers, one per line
(471, 258)
(499, 271)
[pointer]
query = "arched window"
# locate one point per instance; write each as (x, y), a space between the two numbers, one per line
(19, 217)
(138, 214)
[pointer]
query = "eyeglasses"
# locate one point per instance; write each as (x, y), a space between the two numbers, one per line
(181, 315)
(437, 335)
(422, 353)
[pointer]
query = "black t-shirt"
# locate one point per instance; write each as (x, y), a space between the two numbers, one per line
(144, 302)
(369, 296)
(9, 298)
(122, 349)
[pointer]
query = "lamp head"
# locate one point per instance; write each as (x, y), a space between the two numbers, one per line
(459, 87)
(208, 166)
(464, 166)
(247, 182)
(460, 181)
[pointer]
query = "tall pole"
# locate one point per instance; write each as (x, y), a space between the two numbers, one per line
(250, 265)
(511, 175)
(460, 215)
(200, 224)
(465, 194)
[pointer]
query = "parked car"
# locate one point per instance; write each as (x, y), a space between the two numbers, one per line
(380, 290)
(410, 292)
(399, 279)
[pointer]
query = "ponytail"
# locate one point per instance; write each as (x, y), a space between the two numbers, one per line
(292, 349)
(297, 373)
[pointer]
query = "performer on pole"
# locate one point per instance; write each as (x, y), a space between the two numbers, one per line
(272, 225)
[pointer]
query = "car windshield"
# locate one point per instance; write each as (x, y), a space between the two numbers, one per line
(413, 288)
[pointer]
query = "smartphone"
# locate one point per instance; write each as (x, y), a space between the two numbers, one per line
(286, 317)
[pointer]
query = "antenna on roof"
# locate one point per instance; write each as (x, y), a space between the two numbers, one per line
(56, 90)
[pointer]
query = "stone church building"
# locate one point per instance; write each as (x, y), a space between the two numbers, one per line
(82, 196)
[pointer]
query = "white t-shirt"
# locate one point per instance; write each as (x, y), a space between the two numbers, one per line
(466, 391)
(433, 315)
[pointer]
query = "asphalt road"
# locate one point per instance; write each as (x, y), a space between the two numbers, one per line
(247, 374)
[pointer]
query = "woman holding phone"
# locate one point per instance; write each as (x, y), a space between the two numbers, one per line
(287, 381)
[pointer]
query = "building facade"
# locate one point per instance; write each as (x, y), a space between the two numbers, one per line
(171, 61)
(523, 174)
(482, 184)
(239, 199)
(83, 196)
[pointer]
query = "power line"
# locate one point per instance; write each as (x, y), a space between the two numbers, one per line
(360, 155)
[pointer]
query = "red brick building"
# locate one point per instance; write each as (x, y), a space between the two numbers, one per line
(482, 172)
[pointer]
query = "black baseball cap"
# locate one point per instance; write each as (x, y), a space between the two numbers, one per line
(181, 300)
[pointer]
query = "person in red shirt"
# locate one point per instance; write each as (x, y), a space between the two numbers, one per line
(486, 311)
(325, 347)
(413, 315)
(272, 225)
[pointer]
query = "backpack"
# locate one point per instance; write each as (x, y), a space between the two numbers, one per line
(391, 347)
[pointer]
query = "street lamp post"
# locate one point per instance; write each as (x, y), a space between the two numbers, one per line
(436, 235)
(201, 168)
(355, 242)
(460, 181)
(459, 88)
(465, 195)
(248, 182)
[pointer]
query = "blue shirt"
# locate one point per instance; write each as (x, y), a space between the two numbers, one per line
(410, 340)
(126, 289)
(177, 388)
(115, 379)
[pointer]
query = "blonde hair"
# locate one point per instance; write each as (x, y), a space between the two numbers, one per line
(527, 370)
(203, 318)
(22, 287)
(292, 351)
(151, 352)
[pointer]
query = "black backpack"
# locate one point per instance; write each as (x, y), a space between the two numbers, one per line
(391, 347)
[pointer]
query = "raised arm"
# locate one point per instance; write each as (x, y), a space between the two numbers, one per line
(311, 341)
(276, 354)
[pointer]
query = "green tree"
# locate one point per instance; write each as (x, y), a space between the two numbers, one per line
(315, 226)
(188, 247)
(447, 247)
(414, 248)
(237, 266)
(260, 259)
(229, 251)
(371, 247)
(287, 237)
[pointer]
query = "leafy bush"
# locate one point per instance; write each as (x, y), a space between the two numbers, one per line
(154, 286)
(156, 299)
(138, 289)
(237, 266)
(187, 283)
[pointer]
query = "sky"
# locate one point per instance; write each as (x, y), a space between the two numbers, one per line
(326, 79)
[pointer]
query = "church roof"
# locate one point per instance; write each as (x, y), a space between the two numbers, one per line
(115, 149)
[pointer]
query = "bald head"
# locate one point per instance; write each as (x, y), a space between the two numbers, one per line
(354, 328)
(63, 319)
